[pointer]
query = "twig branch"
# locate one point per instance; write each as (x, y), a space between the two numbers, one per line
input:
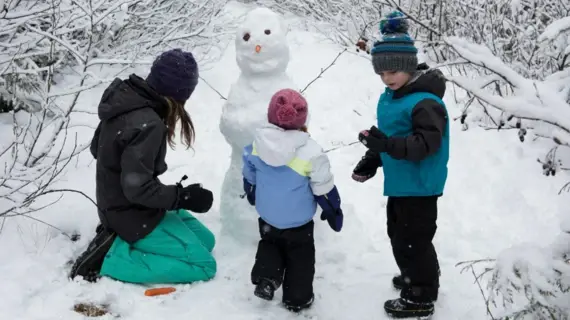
(211, 87)
(341, 146)
(47, 224)
(28, 200)
(468, 265)
(482, 293)
(324, 70)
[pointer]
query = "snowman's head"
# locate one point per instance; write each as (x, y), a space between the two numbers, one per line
(261, 43)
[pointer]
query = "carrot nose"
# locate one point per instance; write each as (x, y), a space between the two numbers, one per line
(257, 48)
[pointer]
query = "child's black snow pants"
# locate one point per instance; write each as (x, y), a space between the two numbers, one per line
(411, 228)
(287, 257)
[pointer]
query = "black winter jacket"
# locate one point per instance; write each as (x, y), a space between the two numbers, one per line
(130, 147)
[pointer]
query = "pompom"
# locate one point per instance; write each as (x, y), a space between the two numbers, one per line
(395, 22)
(286, 114)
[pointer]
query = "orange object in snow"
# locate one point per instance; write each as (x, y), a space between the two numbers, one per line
(158, 291)
(257, 48)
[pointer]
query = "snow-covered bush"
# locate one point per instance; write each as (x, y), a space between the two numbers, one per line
(151, 25)
(528, 281)
(537, 102)
(526, 38)
(511, 30)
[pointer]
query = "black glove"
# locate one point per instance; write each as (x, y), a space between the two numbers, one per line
(249, 191)
(195, 198)
(374, 139)
(367, 167)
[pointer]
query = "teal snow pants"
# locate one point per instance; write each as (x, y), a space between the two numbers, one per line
(178, 250)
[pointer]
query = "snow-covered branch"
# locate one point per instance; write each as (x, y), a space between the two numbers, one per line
(555, 29)
(150, 25)
(532, 99)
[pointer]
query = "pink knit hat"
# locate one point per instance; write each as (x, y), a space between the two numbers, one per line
(288, 110)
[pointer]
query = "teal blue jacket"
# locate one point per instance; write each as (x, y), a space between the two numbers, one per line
(416, 121)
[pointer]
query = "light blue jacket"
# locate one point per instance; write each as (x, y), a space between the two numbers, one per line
(288, 169)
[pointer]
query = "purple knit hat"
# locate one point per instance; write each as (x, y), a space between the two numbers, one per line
(288, 109)
(174, 74)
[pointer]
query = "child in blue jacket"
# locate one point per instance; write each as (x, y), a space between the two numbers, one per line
(411, 143)
(286, 174)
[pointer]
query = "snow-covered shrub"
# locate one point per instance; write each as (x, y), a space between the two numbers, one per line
(540, 274)
(41, 40)
(524, 35)
(526, 102)
(150, 25)
(528, 281)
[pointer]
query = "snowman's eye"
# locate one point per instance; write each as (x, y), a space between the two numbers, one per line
(246, 37)
(267, 32)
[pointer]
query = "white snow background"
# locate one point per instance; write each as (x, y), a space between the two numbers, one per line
(496, 197)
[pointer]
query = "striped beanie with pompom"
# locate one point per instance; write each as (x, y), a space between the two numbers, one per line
(396, 50)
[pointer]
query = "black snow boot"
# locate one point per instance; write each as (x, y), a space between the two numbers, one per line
(398, 282)
(89, 263)
(299, 308)
(264, 290)
(402, 309)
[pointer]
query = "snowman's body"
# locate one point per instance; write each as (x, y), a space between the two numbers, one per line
(262, 54)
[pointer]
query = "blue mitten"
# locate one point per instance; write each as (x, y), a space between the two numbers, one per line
(249, 191)
(330, 203)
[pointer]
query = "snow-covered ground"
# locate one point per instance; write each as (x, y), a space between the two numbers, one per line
(496, 197)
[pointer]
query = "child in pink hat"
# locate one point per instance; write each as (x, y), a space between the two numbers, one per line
(286, 174)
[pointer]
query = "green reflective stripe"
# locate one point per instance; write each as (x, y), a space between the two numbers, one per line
(302, 167)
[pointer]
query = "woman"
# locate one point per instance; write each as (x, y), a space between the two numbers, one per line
(146, 236)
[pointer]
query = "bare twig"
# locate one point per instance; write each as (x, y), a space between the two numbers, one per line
(482, 293)
(324, 70)
(62, 190)
(47, 224)
(468, 265)
(211, 87)
(341, 146)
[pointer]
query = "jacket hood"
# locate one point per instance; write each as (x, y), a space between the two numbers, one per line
(123, 96)
(431, 80)
(276, 146)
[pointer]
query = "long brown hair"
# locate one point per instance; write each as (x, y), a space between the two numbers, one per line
(177, 112)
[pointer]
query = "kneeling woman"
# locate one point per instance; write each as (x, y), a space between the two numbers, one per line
(145, 235)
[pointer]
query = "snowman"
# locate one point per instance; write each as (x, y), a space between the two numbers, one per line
(262, 54)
